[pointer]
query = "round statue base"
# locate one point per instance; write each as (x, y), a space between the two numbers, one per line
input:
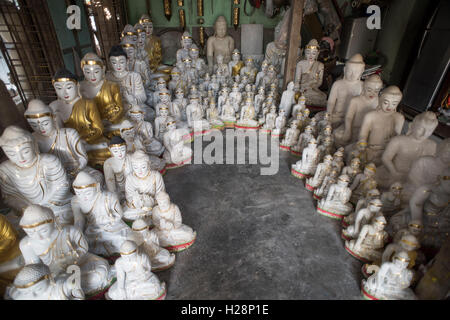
(276, 135)
(229, 124)
(366, 295)
(309, 187)
(163, 294)
(330, 214)
(299, 175)
(171, 166)
(296, 153)
(180, 247)
(356, 256)
(246, 127)
(285, 148)
(100, 295)
(265, 131)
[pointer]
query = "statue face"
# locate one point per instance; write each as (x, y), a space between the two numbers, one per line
(43, 126)
(119, 64)
(22, 156)
(194, 54)
(163, 203)
(136, 117)
(128, 134)
(141, 37)
(220, 59)
(271, 73)
(119, 152)
(94, 74)
(172, 126)
(372, 89)
(221, 29)
(389, 102)
(353, 71)
(161, 86)
(401, 264)
(41, 232)
(379, 226)
(140, 168)
(165, 98)
(186, 43)
(130, 51)
(311, 55)
(179, 95)
(66, 91)
(354, 165)
(148, 26)
(164, 113)
(236, 57)
(86, 195)
(176, 77)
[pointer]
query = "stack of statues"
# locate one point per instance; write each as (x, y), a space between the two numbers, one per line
(86, 188)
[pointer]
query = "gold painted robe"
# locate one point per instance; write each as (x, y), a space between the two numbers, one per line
(109, 102)
(154, 51)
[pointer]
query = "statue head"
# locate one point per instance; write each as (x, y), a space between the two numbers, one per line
(140, 226)
(355, 163)
(136, 113)
(164, 112)
(33, 280)
(375, 205)
(219, 58)
(140, 164)
(290, 86)
(415, 227)
(38, 222)
(127, 130)
(373, 194)
(370, 170)
(423, 125)
(141, 35)
(186, 40)
(379, 222)
(40, 117)
(312, 50)
(130, 32)
(328, 130)
(271, 71)
(128, 250)
(171, 124)
(396, 189)
(401, 259)
(129, 46)
(164, 96)
(118, 59)
(328, 159)
(390, 99)
(179, 93)
(163, 200)
(19, 146)
(308, 129)
(372, 86)
(249, 62)
(409, 242)
(93, 68)
(147, 23)
(312, 143)
(86, 187)
(354, 68)
(161, 84)
(264, 66)
(187, 62)
(334, 173)
(66, 85)
(175, 74)
(194, 51)
(118, 147)
(343, 180)
(236, 55)
(306, 113)
(220, 27)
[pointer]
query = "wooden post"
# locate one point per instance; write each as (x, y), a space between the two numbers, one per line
(294, 40)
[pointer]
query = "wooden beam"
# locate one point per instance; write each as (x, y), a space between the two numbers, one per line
(294, 40)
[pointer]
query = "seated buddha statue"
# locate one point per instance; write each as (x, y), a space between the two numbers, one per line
(195, 120)
(361, 204)
(364, 182)
(198, 63)
(177, 152)
(236, 64)
(83, 115)
(249, 70)
(323, 169)
(153, 43)
(362, 217)
(330, 179)
(186, 43)
(117, 167)
(291, 137)
(336, 204)
(212, 115)
(141, 53)
(228, 115)
(306, 167)
(248, 116)
(219, 44)
(29, 177)
(60, 247)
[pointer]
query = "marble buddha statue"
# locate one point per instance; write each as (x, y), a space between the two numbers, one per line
(34, 282)
(106, 94)
(190, 74)
(60, 247)
(221, 70)
(98, 214)
(391, 281)
(336, 204)
(324, 122)
(223, 95)
(364, 182)
(361, 204)
(338, 159)
(219, 43)
(177, 152)
(287, 99)
(130, 82)
(363, 217)
(186, 43)
(322, 170)
(165, 100)
(11, 259)
(135, 279)
(353, 169)
(117, 167)
(198, 63)
(236, 64)
(414, 228)
(181, 103)
(276, 50)
(236, 97)
(141, 53)
(270, 78)
(64, 143)
(215, 84)
(368, 246)
(402, 150)
(280, 125)
(247, 118)
(359, 150)
(359, 106)
(212, 115)
(298, 108)
(73, 111)
(145, 130)
(309, 75)
(153, 43)
(306, 167)
(259, 99)
(29, 177)
(409, 244)
(303, 140)
(141, 185)
(134, 64)
(269, 122)
(262, 72)
(195, 118)
(132, 139)
(228, 115)
(249, 70)
(176, 81)
(325, 132)
(291, 137)
(160, 123)
(172, 233)
(330, 179)
(148, 242)
(381, 125)
(345, 89)
(392, 199)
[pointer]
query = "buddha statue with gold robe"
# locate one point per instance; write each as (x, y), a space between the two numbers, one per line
(153, 43)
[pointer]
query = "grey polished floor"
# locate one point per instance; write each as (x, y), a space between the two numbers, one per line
(258, 238)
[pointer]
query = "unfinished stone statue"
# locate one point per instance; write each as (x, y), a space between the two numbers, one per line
(219, 43)
(345, 89)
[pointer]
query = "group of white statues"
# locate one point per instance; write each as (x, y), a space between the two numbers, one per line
(132, 124)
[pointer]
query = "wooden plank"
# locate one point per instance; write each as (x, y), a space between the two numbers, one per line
(294, 40)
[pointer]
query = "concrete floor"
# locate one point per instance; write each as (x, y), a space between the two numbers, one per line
(258, 237)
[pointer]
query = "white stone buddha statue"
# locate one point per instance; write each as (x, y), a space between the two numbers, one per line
(117, 167)
(361, 204)
(228, 115)
(141, 185)
(270, 78)
(141, 41)
(153, 43)
(392, 199)
(298, 108)
(135, 279)
(288, 99)
(381, 125)
(223, 95)
(414, 228)
(34, 282)
(337, 205)
(190, 74)
(219, 43)
(345, 89)
(391, 281)
(98, 214)
(134, 64)
(260, 75)
(236, 97)
(29, 177)
(247, 119)
(160, 123)
(198, 63)
(303, 140)
(269, 123)
(60, 247)
(177, 152)
(212, 115)
(359, 106)
(309, 75)
(259, 99)
(330, 179)
(323, 169)
(176, 81)
(403, 150)
(291, 137)
(368, 246)
(159, 94)
(221, 70)
(326, 147)
(364, 182)
(353, 169)
(363, 217)
(186, 43)
(276, 50)
(195, 118)
(306, 167)
(148, 242)
(181, 103)
(172, 233)
(132, 138)
(249, 70)
(409, 244)
(280, 125)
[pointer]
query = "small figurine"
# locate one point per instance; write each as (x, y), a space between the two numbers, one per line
(180, 103)
(189, 74)
(363, 217)
(197, 62)
(336, 205)
(287, 99)
(259, 99)
(223, 96)
(161, 86)
(363, 182)
(392, 199)
(176, 81)
(362, 203)
(299, 107)
(353, 169)
(291, 137)
(212, 115)
(236, 64)
(177, 153)
(228, 115)
(303, 141)
(195, 118)
(269, 123)
(261, 74)
(172, 234)
(305, 168)
(249, 70)
(186, 43)
(153, 43)
(160, 123)
(327, 147)
(359, 151)
(247, 120)
(117, 167)
(148, 242)
(134, 64)
(280, 123)
(414, 228)
(322, 191)
(135, 279)
(236, 97)
(221, 71)
(323, 169)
